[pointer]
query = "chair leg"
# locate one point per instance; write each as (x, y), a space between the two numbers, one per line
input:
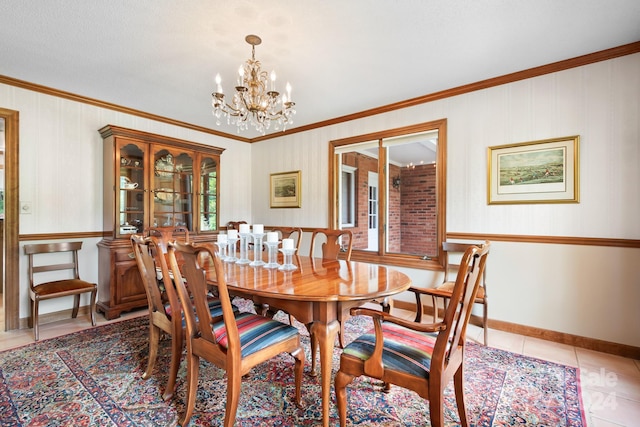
(436, 411)
(193, 366)
(341, 334)
(484, 323)
(34, 318)
(386, 305)
(298, 355)
(234, 382)
(342, 380)
(76, 306)
(314, 350)
(176, 355)
(154, 338)
(458, 385)
(92, 307)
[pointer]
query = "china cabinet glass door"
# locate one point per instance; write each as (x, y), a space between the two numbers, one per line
(208, 193)
(130, 200)
(172, 202)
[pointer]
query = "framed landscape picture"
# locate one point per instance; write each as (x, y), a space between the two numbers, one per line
(544, 171)
(285, 190)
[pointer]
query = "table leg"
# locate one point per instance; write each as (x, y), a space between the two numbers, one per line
(325, 333)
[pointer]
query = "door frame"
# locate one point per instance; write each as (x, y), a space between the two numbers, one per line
(11, 220)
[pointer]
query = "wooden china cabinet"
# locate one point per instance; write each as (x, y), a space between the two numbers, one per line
(149, 181)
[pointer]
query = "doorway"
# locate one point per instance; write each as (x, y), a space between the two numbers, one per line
(11, 259)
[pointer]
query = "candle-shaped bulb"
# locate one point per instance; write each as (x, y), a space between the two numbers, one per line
(288, 91)
(244, 229)
(258, 229)
(241, 76)
(272, 236)
(273, 80)
(287, 243)
(218, 83)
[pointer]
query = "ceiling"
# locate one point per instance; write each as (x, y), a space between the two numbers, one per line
(341, 57)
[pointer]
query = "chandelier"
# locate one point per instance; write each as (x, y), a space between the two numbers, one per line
(256, 99)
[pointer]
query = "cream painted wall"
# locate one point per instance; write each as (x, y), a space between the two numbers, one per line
(586, 291)
(61, 171)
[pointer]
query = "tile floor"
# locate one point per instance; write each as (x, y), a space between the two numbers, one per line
(610, 384)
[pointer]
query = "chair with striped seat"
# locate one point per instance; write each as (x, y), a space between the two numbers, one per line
(420, 357)
(235, 342)
(165, 313)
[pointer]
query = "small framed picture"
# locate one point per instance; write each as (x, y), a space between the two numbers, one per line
(285, 190)
(545, 171)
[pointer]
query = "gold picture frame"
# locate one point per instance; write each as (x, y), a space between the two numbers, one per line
(285, 191)
(545, 171)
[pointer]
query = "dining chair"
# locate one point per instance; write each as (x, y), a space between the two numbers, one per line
(334, 243)
(165, 312)
(421, 357)
(235, 342)
(72, 285)
(290, 233)
(331, 249)
(445, 289)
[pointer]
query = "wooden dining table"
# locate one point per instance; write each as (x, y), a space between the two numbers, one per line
(315, 293)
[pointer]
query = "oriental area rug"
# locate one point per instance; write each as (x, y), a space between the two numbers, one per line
(93, 378)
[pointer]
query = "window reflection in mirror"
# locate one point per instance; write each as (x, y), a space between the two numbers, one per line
(389, 190)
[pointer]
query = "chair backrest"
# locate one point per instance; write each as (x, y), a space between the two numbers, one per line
(150, 259)
(452, 263)
(456, 318)
(51, 248)
(194, 297)
(168, 234)
(335, 243)
(290, 233)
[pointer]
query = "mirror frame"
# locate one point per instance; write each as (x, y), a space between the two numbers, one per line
(381, 256)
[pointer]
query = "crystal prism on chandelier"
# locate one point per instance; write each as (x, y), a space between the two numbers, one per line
(256, 99)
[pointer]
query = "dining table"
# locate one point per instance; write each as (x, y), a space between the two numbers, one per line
(315, 292)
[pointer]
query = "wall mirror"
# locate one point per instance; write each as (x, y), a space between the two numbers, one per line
(389, 189)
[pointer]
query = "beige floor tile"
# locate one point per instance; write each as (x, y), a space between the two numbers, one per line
(606, 382)
(611, 408)
(597, 422)
(553, 352)
(506, 341)
(594, 360)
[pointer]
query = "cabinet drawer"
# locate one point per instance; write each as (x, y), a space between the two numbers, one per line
(122, 256)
